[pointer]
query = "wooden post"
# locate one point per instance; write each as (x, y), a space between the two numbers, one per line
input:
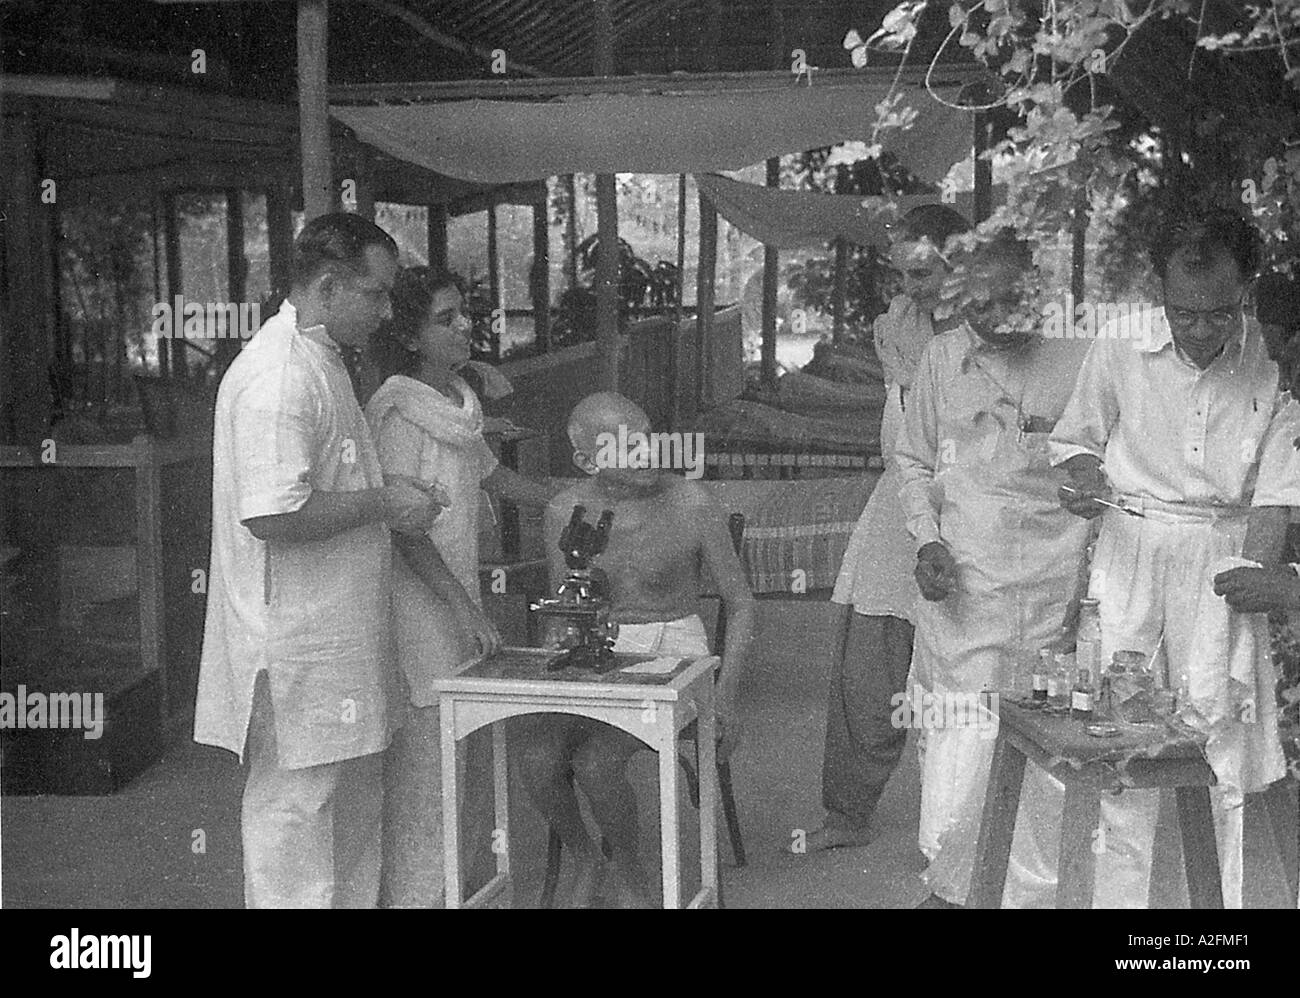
(175, 358)
(706, 275)
(1078, 247)
(26, 339)
(149, 571)
(361, 174)
(279, 230)
(438, 235)
(497, 315)
(319, 195)
(983, 140)
(771, 265)
(771, 258)
(540, 276)
(841, 289)
(675, 338)
(571, 232)
(607, 261)
(707, 266)
(224, 350)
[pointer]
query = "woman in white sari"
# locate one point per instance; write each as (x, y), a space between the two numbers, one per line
(428, 425)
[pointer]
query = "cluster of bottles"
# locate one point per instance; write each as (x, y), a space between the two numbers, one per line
(1074, 681)
(1080, 683)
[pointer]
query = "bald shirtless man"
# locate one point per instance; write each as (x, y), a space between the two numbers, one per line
(666, 535)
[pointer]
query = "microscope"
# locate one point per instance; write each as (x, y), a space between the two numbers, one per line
(583, 599)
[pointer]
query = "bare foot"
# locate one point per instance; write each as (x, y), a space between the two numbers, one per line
(831, 838)
(588, 875)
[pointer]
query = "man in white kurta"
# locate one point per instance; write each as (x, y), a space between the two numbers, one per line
(1180, 417)
(296, 654)
(980, 499)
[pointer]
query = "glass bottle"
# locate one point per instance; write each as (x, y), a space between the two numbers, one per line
(1088, 640)
(1081, 697)
(1061, 681)
(1042, 673)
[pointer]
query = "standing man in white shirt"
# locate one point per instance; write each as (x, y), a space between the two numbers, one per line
(997, 558)
(297, 658)
(1180, 420)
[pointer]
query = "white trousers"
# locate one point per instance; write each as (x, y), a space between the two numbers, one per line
(1153, 577)
(955, 765)
(311, 836)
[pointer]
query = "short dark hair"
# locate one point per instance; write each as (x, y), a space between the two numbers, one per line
(935, 222)
(339, 239)
(412, 296)
(1206, 233)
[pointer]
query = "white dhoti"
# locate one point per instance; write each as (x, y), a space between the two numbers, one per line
(1154, 578)
(1017, 554)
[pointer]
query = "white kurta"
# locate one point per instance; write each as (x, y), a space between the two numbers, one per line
(313, 615)
(976, 476)
(1185, 445)
(876, 573)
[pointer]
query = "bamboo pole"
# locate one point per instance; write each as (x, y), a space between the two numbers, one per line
(607, 261)
(494, 284)
(841, 289)
(675, 337)
(540, 277)
(705, 289)
(771, 266)
(319, 196)
(437, 235)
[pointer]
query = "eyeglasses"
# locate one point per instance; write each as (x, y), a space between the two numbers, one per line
(1186, 318)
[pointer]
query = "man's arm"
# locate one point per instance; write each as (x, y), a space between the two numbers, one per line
(1078, 441)
(324, 514)
(916, 452)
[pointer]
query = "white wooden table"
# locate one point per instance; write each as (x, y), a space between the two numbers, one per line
(652, 708)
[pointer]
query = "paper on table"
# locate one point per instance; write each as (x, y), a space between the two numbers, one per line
(655, 667)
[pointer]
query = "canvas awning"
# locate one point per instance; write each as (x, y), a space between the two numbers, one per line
(503, 141)
(797, 219)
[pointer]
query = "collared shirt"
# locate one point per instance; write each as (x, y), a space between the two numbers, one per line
(1165, 429)
(314, 615)
(976, 422)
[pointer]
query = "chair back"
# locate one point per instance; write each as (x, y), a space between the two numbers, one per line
(735, 527)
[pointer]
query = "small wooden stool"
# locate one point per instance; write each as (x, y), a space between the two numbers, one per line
(1157, 759)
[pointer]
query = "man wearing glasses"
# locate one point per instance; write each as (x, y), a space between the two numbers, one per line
(1175, 426)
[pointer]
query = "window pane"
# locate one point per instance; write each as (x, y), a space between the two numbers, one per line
(408, 224)
(107, 288)
(257, 248)
(205, 272)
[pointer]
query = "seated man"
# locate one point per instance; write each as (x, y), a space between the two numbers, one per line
(667, 532)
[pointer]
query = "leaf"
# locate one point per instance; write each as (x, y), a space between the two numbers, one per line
(858, 57)
(853, 40)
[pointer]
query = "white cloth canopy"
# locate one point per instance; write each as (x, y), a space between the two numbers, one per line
(505, 141)
(795, 219)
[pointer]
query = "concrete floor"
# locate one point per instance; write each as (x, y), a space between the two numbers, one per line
(171, 839)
